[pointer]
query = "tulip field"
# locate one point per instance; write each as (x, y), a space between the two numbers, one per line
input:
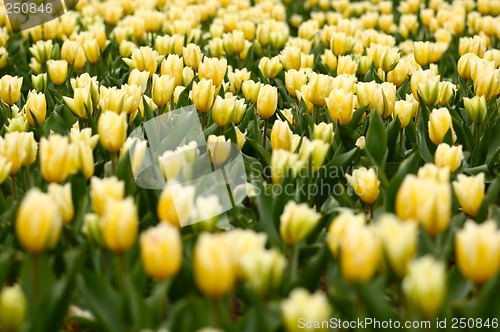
(246, 165)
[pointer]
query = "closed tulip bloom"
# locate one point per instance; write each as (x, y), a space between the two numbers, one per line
(476, 108)
(36, 105)
(163, 88)
(337, 229)
(13, 308)
(10, 91)
(173, 66)
(399, 242)
(139, 78)
(281, 162)
(213, 269)
(9, 149)
(58, 71)
(434, 206)
(143, 58)
(290, 57)
(407, 198)
(365, 183)
(219, 148)
(222, 110)
(214, 69)
(38, 222)
(297, 221)
(281, 135)
(267, 101)
(464, 65)
(360, 253)
(425, 285)
(421, 76)
(80, 103)
(56, 158)
(346, 65)
(364, 92)
(301, 305)
(263, 269)
(439, 124)
(251, 90)
(428, 91)
(294, 80)
(161, 251)
(477, 248)
(175, 204)
(488, 84)
(324, 132)
(470, 192)
(446, 90)
(340, 106)
(61, 195)
(191, 54)
(202, 95)
(91, 50)
(341, 44)
(105, 189)
(319, 89)
(448, 156)
(119, 224)
(404, 111)
(112, 129)
(421, 52)
(384, 99)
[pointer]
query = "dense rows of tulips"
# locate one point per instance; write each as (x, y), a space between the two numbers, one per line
(370, 133)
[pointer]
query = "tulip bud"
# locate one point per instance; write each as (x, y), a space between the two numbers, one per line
(36, 105)
(337, 229)
(434, 206)
(359, 252)
(323, 131)
(42, 50)
(263, 269)
(439, 124)
(61, 195)
(270, 68)
(139, 78)
(384, 99)
(214, 69)
(173, 66)
(421, 52)
(57, 157)
(10, 91)
(222, 110)
(297, 221)
(267, 101)
(191, 54)
(477, 250)
(340, 106)
(161, 251)
(425, 285)
(251, 90)
(202, 95)
(399, 242)
(13, 307)
(365, 91)
(448, 156)
(38, 222)
(92, 228)
(239, 110)
(119, 224)
(303, 306)
(105, 189)
(281, 136)
(112, 129)
(213, 269)
(91, 50)
(163, 87)
(488, 84)
(341, 44)
(446, 90)
(404, 111)
(290, 57)
(346, 65)
(58, 71)
(294, 80)
(219, 149)
(476, 108)
(470, 192)
(365, 183)
(175, 204)
(319, 88)
(428, 91)
(39, 82)
(143, 58)
(464, 65)
(80, 103)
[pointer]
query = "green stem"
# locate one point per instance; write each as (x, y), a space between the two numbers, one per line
(35, 265)
(14, 187)
(113, 163)
(264, 136)
(203, 120)
(401, 136)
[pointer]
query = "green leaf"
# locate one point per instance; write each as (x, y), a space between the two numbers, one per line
(376, 139)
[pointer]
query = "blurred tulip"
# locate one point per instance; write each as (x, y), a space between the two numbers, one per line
(303, 306)
(297, 221)
(119, 224)
(470, 192)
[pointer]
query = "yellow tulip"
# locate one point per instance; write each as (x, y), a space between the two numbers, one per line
(119, 224)
(439, 124)
(448, 156)
(336, 231)
(281, 136)
(58, 71)
(57, 157)
(340, 106)
(112, 129)
(365, 183)
(267, 101)
(477, 250)
(38, 222)
(36, 105)
(102, 190)
(161, 251)
(13, 308)
(297, 221)
(301, 306)
(214, 69)
(202, 95)
(175, 204)
(470, 192)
